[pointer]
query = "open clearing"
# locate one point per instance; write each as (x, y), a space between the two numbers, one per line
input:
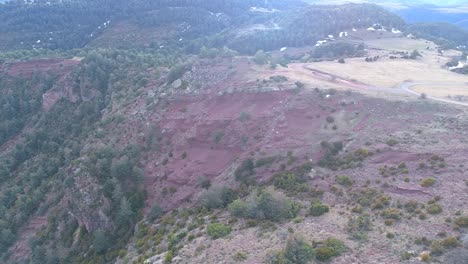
(400, 44)
(386, 76)
(442, 91)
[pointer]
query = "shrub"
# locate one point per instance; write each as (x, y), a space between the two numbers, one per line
(436, 248)
(178, 71)
(358, 227)
(204, 182)
(290, 182)
(450, 242)
(428, 182)
(265, 161)
(218, 136)
(218, 230)
(461, 221)
(265, 204)
(245, 172)
(358, 209)
(434, 209)
(324, 253)
(239, 208)
(337, 245)
(297, 251)
(344, 181)
(392, 213)
(425, 257)
(240, 256)
(244, 116)
(101, 241)
(261, 57)
(415, 54)
(392, 142)
(169, 257)
(155, 212)
(411, 206)
(318, 209)
(299, 85)
(217, 197)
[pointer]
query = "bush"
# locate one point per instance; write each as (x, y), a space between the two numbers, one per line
(411, 206)
(265, 204)
(318, 209)
(218, 136)
(261, 57)
(461, 221)
(239, 208)
(290, 182)
(425, 257)
(204, 182)
(392, 142)
(299, 85)
(217, 197)
(240, 256)
(324, 253)
(169, 257)
(297, 251)
(415, 54)
(344, 181)
(392, 213)
(218, 230)
(177, 72)
(267, 161)
(155, 213)
(428, 182)
(337, 245)
(244, 117)
(358, 227)
(436, 248)
(101, 241)
(245, 172)
(450, 242)
(434, 209)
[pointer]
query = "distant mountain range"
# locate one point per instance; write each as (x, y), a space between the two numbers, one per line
(396, 3)
(451, 11)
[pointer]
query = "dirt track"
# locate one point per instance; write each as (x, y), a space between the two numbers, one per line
(404, 88)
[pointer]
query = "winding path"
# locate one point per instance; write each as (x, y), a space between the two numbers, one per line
(404, 88)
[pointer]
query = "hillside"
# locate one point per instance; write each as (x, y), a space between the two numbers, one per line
(229, 131)
(403, 3)
(241, 25)
(445, 34)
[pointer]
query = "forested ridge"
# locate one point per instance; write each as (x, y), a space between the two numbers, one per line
(33, 173)
(74, 24)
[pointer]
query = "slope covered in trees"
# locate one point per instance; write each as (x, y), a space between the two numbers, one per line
(444, 34)
(74, 24)
(36, 171)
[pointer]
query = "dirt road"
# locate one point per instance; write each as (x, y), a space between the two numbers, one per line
(404, 88)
